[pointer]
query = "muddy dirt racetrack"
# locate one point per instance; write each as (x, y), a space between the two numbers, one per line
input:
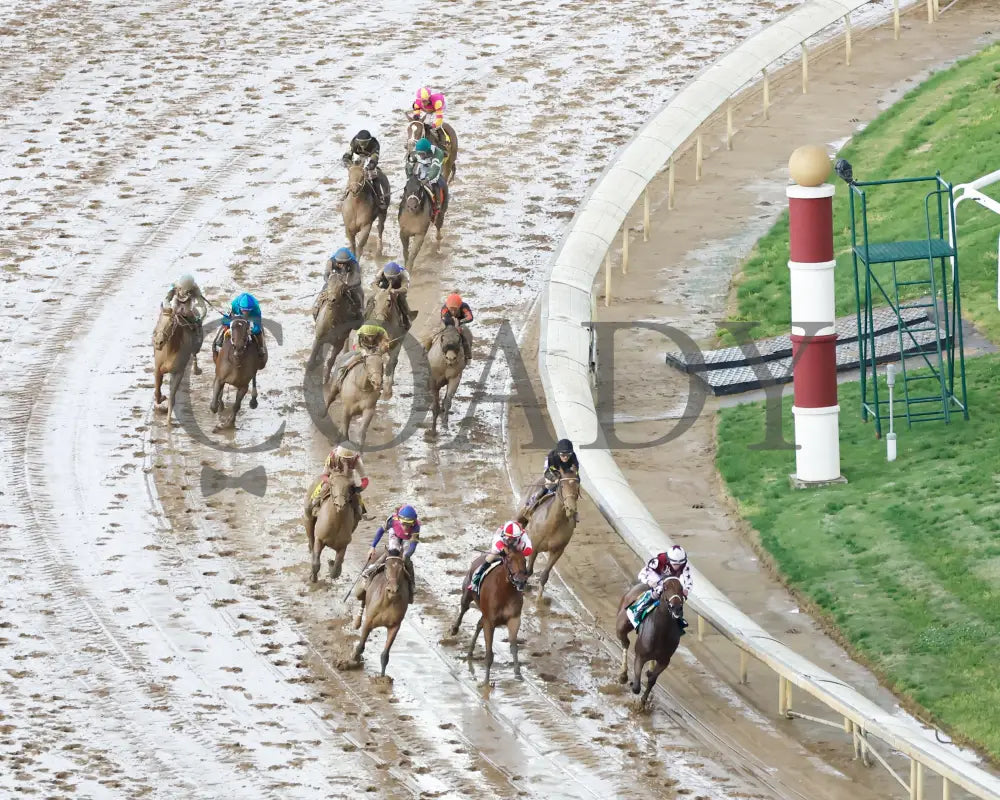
(158, 635)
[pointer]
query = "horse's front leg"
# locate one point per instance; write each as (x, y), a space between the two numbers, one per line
(449, 394)
(217, 388)
(317, 552)
(366, 419)
(253, 392)
(390, 372)
(513, 626)
(488, 630)
(363, 235)
(554, 556)
(337, 565)
(435, 405)
(623, 674)
(360, 649)
(651, 677)
(381, 231)
(466, 602)
(157, 384)
(230, 423)
(389, 639)
(176, 378)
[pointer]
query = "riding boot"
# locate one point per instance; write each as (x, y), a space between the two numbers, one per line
(217, 342)
(404, 308)
(380, 192)
(261, 350)
(357, 297)
(466, 345)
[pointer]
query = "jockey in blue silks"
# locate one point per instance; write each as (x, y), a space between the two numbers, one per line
(244, 305)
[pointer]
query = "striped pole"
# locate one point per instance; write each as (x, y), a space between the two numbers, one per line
(814, 333)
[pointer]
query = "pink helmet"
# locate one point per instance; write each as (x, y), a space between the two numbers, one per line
(424, 96)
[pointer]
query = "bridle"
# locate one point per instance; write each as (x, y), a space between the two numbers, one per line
(241, 323)
(517, 583)
(677, 610)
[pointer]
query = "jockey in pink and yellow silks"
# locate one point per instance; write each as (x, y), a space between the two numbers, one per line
(430, 102)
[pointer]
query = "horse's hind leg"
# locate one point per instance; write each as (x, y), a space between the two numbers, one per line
(651, 677)
(253, 392)
(475, 636)
(637, 664)
(488, 630)
(316, 548)
(175, 385)
(389, 639)
(466, 602)
(554, 556)
(513, 626)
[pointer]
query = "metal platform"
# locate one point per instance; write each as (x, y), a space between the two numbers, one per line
(890, 252)
(732, 370)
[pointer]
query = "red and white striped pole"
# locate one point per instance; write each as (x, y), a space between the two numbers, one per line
(814, 333)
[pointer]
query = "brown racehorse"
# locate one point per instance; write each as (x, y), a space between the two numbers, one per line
(415, 219)
(387, 597)
(658, 636)
(181, 342)
(446, 362)
(333, 526)
(236, 365)
(360, 209)
(501, 595)
(417, 130)
(335, 318)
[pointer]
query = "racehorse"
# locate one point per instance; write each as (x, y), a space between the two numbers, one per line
(333, 526)
(382, 309)
(415, 219)
(387, 597)
(446, 362)
(658, 636)
(360, 209)
(236, 364)
(359, 391)
(500, 598)
(180, 342)
(417, 129)
(336, 317)
(552, 522)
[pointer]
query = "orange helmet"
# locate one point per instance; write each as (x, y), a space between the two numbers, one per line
(453, 301)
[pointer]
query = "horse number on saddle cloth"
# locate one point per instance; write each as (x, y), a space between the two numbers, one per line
(640, 609)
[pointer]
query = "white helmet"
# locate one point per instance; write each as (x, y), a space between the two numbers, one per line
(511, 530)
(344, 450)
(676, 556)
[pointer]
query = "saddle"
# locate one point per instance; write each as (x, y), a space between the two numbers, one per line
(641, 608)
(480, 574)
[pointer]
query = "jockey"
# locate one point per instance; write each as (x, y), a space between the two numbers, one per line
(346, 266)
(371, 339)
(365, 148)
(510, 537)
(428, 101)
(456, 311)
(671, 564)
(184, 299)
(244, 305)
(559, 463)
(403, 526)
(396, 277)
(343, 460)
(426, 162)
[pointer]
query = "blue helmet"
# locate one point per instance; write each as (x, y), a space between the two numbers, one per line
(343, 255)
(423, 146)
(246, 303)
(407, 514)
(392, 269)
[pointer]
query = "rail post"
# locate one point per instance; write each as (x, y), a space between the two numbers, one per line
(698, 158)
(670, 184)
(847, 38)
(729, 125)
(607, 279)
(805, 69)
(895, 20)
(625, 248)
(767, 93)
(743, 666)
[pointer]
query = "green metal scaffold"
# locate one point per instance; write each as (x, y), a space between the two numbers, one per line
(924, 295)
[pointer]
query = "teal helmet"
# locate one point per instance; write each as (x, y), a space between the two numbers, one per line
(423, 146)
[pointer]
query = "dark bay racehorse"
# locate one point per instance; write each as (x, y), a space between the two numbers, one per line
(415, 219)
(416, 130)
(236, 364)
(500, 598)
(336, 317)
(658, 636)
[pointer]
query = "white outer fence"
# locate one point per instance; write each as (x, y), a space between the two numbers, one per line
(565, 367)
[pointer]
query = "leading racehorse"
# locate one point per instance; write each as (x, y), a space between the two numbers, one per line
(500, 598)
(236, 364)
(552, 521)
(180, 340)
(658, 636)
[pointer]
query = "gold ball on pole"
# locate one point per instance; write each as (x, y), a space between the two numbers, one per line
(809, 165)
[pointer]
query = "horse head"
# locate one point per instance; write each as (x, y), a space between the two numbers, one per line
(413, 195)
(356, 179)
(373, 371)
(673, 591)
(517, 570)
(395, 573)
(569, 493)
(451, 344)
(340, 490)
(336, 284)
(239, 334)
(414, 132)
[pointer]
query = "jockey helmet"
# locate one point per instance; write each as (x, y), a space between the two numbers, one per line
(245, 303)
(453, 301)
(423, 146)
(185, 285)
(407, 515)
(424, 95)
(344, 450)
(676, 556)
(392, 269)
(363, 137)
(371, 329)
(564, 446)
(511, 531)
(343, 256)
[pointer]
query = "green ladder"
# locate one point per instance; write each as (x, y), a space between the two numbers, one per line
(936, 334)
